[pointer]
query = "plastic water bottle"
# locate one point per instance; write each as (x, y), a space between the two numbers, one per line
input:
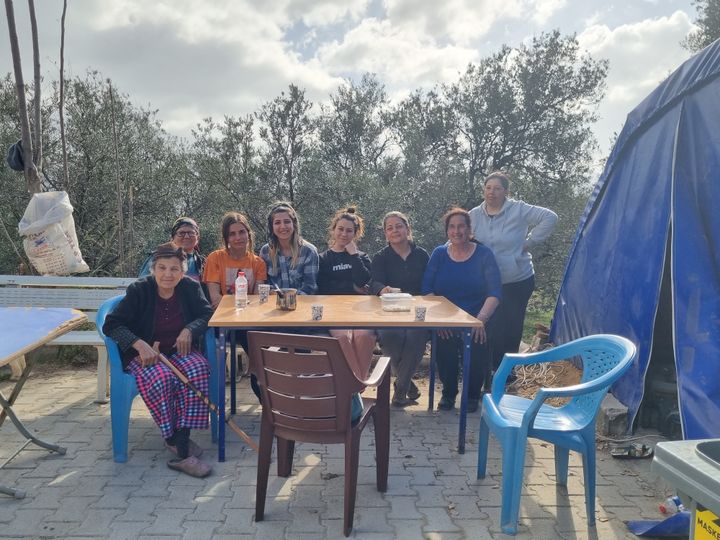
(241, 291)
(672, 505)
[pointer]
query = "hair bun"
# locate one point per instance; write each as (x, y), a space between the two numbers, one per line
(351, 209)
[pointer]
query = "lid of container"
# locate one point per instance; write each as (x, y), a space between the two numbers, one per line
(395, 296)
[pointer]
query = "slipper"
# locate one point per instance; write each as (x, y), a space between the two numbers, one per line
(194, 449)
(191, 466)
(632, 451)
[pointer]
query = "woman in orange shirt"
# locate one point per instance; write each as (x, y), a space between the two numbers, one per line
(222, 265)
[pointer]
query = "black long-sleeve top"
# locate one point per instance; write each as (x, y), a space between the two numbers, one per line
(391, 270)
(134, 316)
(339, 272)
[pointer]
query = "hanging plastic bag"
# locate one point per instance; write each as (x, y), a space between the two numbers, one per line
(49, 235)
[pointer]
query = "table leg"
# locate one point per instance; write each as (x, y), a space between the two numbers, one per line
(433, 360)
(233, 371)
(467, 343)
(30, 438)
(29, 361)
(221, 395)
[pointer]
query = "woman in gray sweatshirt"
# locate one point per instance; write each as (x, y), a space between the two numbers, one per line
(510, 228)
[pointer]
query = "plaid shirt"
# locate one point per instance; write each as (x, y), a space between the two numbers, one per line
(302, 277)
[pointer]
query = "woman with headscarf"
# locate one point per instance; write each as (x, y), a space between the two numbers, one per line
(167, 313)
(185, 233)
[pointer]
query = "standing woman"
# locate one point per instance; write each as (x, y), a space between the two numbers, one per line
(185, 233)
(346, 270)
(167, 313)
(510, 228)
(223, 265)
(464, 272)
(400, 265)
(291, 261)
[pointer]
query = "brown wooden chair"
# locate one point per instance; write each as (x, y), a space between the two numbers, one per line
(306, 386)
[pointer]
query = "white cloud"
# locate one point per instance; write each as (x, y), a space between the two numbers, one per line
(399, 56)
(460, 21)
(641, 56)
(327, 12)
(544, 9)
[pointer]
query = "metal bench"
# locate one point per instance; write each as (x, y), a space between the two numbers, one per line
(83, 293)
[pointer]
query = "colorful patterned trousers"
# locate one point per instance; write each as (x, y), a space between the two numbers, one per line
(172, 404)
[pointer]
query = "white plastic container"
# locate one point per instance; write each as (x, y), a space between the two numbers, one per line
(396, 302)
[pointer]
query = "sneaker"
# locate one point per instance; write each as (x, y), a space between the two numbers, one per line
(413, 392)
(446, 404)
(191, 466)
(473, 405)
(194, 449)
(401, 401)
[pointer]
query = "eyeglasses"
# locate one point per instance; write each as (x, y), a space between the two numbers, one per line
(186, 234)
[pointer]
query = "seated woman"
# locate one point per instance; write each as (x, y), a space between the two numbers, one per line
(291, 261)
(345, 270)
(222, 265)
(186, 234)
(464, 272)
(400, 265)
(167, 313)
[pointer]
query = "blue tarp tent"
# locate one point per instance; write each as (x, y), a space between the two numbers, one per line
(658, 197)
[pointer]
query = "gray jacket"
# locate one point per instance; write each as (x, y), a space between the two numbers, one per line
(511, 233)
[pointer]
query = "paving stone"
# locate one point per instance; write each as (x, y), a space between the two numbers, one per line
(432, 491)
(305, 520)
(97, 522)
(407, 529)
(438, 519)
(403, 508)
(123, 530)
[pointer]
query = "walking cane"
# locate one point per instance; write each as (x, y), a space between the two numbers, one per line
(229, 421)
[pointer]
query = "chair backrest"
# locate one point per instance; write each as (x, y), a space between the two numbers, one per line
(305, 381)
(105, 308)
(112, 348)
(603, 356)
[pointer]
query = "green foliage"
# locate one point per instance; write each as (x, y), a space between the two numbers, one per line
(527, 110)
(708, 23)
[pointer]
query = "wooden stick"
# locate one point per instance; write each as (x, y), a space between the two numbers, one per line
(228, 420)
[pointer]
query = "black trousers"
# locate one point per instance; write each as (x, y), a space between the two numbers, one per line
(506, 326)
(449, 357)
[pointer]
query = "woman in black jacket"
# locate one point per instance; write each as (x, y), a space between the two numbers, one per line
(167, 313)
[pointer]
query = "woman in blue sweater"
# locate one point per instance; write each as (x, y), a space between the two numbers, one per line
(464, 272)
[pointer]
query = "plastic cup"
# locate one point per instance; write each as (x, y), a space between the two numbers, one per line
(420, 312)
(264, 292)
(317, 312)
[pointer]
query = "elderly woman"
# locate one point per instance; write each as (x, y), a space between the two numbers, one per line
(223, 265)
(400, 266)
(465, 272)
(186, 234)
(291, 261)
(510, 228)
(346, 270)
(167, 313)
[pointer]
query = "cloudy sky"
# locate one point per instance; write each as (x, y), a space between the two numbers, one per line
(192, 59)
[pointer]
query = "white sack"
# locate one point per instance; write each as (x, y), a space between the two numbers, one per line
(50, 240)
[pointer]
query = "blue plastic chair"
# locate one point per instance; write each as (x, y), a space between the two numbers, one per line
(512, 419)
(123, 388)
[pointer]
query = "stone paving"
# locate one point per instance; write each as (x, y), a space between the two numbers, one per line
(432, 492)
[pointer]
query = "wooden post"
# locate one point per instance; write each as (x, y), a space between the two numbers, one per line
(31, 174)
